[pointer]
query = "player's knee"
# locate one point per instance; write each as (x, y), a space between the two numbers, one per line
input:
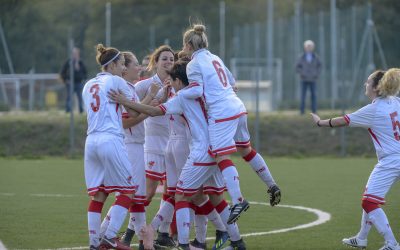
(369, 206)
(244, 151)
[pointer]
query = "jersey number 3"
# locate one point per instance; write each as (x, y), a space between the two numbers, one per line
(95, 91)
(220, 72)
(396, 125)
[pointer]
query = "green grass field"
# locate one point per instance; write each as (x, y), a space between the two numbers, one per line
(43, 203)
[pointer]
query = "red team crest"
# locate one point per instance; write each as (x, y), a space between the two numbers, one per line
(151, 164)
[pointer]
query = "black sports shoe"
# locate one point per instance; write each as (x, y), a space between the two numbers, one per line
(163, 241)
(238, 245)
(220, 238)
(237, 210)
(274, 195)
(197, 244)
(183, 247)
(127, 237)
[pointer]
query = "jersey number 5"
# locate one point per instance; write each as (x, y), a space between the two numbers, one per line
(396, 125)
(220, 72)
(95, 90)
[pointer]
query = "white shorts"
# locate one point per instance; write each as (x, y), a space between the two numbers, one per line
(136, 158)
(155, 166)
(176, 155)
(107, 167)
(227, 134)
(199, 171)
(384, 175)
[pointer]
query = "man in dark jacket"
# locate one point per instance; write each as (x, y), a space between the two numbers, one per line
(308, 67)
(80, 75)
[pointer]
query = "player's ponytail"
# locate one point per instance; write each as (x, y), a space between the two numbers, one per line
(389, 85)
(106, 55)
(196, 37)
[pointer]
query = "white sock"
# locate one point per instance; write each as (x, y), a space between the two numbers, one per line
(183, 222)
(365, 226)
(231, 177)
(233, 229)
(94, 221)
(164, 215)
(136, 222)
(118, 214)
(105, 223)
(208, 209)
(260, 167)
(200, 223)
(380, 221)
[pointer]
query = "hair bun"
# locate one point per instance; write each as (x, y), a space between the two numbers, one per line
(199, 28)
(100, 48)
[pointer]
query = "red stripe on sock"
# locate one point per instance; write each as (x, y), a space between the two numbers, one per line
(221, 206)
(369, 206)
(250, 156)
(123, 201)
(206, 208)
(146, 203)
(95, 206)
(193, 207)
(171, 200)
(225, 164)
(181, 204)
(137, 208)
(165, 196)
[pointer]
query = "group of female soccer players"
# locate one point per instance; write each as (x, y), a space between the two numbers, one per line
(181, 124)
(196, 122)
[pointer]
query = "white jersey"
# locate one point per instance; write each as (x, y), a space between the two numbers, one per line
(193, 111)
(104, 115)
(133, 134)
(177, 124)
(156, 128)
(382, 119)
(209, 77)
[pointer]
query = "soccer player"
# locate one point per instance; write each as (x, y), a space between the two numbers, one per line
(381, 118)
(157, 131)
(106, 163)
(227, 118)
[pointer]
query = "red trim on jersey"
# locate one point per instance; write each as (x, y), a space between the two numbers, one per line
(213, 190)
(347, 119)
(373, 198)
(230, 118)
(245, 144)
(193, 84)
(139, 199)
(204, 164)
(182, 204)
(250, 156)
(95, 206)
(224, 151)
(111, 189)
(374, 136)
(186, 192)
(203, 108)
(163, 109)
(221, 206)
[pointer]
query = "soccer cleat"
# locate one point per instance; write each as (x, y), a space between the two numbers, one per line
(389, 246)
(274, 195)
(112, 244)
(164, 241)
(127, 237)
(355, 242)
(237, 210)
(93, 247)
(220, 238)
(197, 245)
(236, 245)
(147, 235)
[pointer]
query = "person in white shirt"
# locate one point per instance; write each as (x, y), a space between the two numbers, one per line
(106, 163)
(381, 119)
(227, 118)
(157, 131)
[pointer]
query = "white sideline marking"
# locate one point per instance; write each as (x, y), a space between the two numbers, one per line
(323, 217)
(7, 194)
(54, 195)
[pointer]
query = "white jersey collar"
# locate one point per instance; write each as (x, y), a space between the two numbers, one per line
(197, 52)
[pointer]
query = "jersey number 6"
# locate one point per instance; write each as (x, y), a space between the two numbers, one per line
(95, 90)
(396, 125)
(220, 72)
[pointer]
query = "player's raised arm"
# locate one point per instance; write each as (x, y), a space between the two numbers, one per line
(137, 107)
(332, 122)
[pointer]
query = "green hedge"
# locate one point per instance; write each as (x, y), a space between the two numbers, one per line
(36, 134)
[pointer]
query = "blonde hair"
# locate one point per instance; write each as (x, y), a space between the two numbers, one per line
(196, 37)
(106, 55)
(389, 85)
(155, 56)
(128, 56)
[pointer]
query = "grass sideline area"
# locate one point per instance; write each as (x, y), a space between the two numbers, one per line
(38, 134)
(44, 203)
